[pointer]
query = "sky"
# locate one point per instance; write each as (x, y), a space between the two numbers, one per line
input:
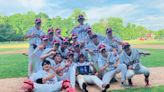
(149, 13)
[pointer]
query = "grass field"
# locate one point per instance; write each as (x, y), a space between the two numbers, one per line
(156, 59)
(152, 89)
(13, 65)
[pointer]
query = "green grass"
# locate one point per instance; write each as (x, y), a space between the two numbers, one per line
(11, 49)
(13, 65)
(156, 59)
(152, 89)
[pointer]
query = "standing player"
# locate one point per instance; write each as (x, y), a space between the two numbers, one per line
(80, 30)
(90, 34)
(131, 57)
(113, 41)
(34, 35)
(58, 35)
(50, 38)
(37, 53)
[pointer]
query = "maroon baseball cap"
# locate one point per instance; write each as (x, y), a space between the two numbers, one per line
(56, 42)
(70, 53)
(89, 29)
(74, 36)
(109, 30)
(38, 20)
(81, 17)
(44, 37)
(57, 30)
(101, 47)
(76, 44)
(125, 45)
(50, 30)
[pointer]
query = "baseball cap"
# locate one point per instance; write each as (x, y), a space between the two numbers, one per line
(44, 37)
(94, 36)
(50, 30)
(109, 30)
(38, 20)
(89, 29)
(70, 53)
(76, 44)
(56, 42)
(65, 40)
(125, 45)
(81, 55)
(74, 36)
(57, 30)
(81, 17)
(101, 47)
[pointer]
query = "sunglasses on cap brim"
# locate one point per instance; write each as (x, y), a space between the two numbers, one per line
(56, 44)
(45, 39)
(109, 32)
(65, 43)
(125, 47)
(80, 19)
(38, 23)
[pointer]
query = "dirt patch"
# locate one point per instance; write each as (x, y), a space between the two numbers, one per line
(156, 79)
(149, 46)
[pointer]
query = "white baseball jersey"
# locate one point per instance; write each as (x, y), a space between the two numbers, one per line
(111, 59)
(99, 37)
(133, 59)
(36, 40)
(64, 52)
(80, 31)
(76, 55)
(43, 74)
(50, 43)
(113, 44)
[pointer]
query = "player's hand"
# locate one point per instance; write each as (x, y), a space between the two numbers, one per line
(41, 47)
(115, 65)
(91, 63)
(52, 53)
(130, 67)
(97, 74)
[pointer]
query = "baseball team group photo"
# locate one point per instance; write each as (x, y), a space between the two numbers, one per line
(81, 46)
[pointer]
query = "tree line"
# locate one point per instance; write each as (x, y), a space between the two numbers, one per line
(14, 27)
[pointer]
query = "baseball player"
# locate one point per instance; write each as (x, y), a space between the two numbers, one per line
(92, 49)
(50, 38)
(63, 49)
(67, 70)
(86, 74)
(64, 69)
(109, 66)
(37, 53)
(74, 39)
(34, 35)
(90, 34)
(58, 35)
(131, 57)
(80, 30)
(46, 81)
(113, 41)
(78, 50)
